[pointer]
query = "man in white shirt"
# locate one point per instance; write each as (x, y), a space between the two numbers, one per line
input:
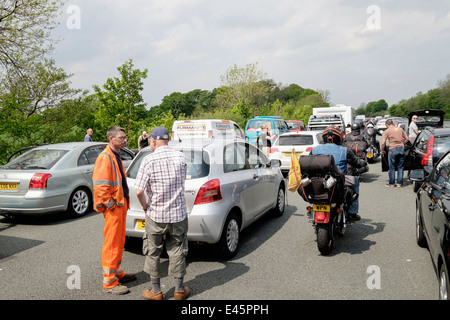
(413, 129)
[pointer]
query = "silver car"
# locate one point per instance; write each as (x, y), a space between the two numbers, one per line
(50, 178)
(229, 185)
(302, 142)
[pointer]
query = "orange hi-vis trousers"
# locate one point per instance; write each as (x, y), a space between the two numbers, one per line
(113, 245)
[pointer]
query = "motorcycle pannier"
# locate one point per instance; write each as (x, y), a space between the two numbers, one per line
(318, 168)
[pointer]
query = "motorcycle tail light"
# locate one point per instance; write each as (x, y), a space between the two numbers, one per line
(320, 216)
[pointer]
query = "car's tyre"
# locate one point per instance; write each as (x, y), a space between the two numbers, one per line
(278, 211)
(443, 283)
(79, 203)
(420, 237)
(228, 244)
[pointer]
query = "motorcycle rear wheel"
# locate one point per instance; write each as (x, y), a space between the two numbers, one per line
(324, 238)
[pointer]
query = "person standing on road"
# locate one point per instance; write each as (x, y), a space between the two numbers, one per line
(88, 136)
(143, 140)
(413, 128)
(397, 139)
(161, 177)
(111, 197)
(266, 139)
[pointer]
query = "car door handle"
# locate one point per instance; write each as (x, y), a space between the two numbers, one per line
(88, 171)
(431, 207)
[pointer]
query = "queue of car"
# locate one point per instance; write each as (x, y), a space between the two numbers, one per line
(230, 182)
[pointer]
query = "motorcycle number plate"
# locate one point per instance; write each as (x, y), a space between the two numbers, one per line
(369, 155)
(321, 207)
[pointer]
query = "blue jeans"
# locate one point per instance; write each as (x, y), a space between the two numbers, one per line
(396, 163)
(354, 207)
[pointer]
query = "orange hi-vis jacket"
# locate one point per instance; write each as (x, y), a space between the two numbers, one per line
(107, 182)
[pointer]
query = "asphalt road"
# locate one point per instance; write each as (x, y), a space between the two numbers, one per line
(53, 257)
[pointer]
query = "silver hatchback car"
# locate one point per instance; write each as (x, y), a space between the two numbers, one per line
(229, 185)
(50, 178)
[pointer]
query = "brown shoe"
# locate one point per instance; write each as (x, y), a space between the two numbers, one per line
(119, 289)
(149, 295)
(181, 295)
(127, 278)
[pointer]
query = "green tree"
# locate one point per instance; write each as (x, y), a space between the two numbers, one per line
(25, 28)
(121, 101)
(242, 85)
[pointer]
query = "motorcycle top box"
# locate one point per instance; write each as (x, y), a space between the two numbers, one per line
(319, 169)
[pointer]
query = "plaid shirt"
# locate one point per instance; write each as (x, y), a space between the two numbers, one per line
(162, 175)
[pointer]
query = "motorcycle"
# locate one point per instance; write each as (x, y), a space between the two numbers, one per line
(328, 195)
(373, 150)
(372, 153)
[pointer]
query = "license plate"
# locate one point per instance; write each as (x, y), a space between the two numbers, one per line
(288, 154)
(369, 155)
(141, 224)
(9, 186)
(321, 207)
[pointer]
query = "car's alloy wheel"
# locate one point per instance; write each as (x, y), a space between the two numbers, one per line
(420, 237)
(443, 284)
(281, 202)
(229, 241)
(79, 203)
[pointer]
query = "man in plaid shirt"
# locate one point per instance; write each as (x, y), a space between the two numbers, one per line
(162, 176)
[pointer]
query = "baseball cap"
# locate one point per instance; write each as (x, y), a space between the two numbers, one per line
(160, 133)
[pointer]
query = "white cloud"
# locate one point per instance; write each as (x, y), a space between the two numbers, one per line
(188, 44)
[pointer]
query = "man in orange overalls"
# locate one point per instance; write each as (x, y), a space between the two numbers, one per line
(111, 198)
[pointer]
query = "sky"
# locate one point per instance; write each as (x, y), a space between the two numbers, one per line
(357, 50)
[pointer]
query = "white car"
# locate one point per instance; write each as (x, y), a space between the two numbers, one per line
(229, 185)
(302, 142)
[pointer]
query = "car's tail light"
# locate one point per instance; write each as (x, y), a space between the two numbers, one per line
(209, 192)
(273, 150)
(39, 181)
(309, 149)
(427, 159)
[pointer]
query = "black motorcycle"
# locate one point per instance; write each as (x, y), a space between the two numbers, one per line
(325, 189)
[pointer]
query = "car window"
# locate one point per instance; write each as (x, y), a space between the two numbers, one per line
(442, 172)
(255, 157)
(422, 141)
(233, 157)
(134, 166)
(36, 159)
(238, 132)
(197, 163)
(89, 155)
(319, 138)
(441, 144)
(295, 140)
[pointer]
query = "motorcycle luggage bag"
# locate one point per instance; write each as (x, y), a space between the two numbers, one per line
(317, 165)
(318, 168)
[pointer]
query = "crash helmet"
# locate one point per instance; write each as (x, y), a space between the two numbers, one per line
(332, 134)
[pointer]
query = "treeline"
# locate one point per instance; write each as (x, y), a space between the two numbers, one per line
(437, 98)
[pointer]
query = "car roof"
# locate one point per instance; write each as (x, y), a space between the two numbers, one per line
(70, 145)
(301, 133)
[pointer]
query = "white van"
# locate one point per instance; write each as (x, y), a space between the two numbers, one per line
(202, 129)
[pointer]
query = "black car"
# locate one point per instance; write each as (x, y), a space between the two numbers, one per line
(433, 217)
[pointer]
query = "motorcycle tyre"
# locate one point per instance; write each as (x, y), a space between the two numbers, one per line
(324, 238)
